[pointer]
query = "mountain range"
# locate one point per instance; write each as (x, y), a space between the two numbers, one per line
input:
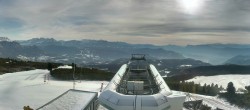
(78, 51)
(100, 51)
(13, 49)
(211, 53)
(164, 66)
(239, 60)
(188, 73)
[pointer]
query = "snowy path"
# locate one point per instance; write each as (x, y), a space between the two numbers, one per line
(28, 88)
(211, 101)
(214, 102)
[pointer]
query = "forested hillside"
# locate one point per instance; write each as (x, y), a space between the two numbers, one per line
(188, 73)
(8, 65)
(81, 74)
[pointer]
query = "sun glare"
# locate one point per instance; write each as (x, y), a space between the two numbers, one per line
(190, 6)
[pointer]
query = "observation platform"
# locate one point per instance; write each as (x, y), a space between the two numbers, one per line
(139, 86)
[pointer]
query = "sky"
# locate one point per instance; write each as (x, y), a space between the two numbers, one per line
(159, 22)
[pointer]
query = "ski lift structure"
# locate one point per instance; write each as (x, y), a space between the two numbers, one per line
(139, 86)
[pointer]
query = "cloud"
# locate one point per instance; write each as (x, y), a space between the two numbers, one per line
(161, 21)
(10, 23)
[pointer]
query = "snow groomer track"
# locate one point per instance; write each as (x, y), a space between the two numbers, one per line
(139, 86)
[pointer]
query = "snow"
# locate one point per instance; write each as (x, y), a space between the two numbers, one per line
(5, 39)
(71, 100)
(185, 66)
(167, 72)
(212, 101)
(43, 58)
(65, 67)
(239, 81)
(25, 58)
(28, 88)
(164, 76)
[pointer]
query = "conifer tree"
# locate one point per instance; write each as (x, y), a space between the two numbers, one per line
(248, 89)
(49, 67)
(230, 88)
(221, 88)
(204, 89)
(208, 90)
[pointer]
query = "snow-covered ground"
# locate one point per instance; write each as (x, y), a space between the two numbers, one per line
(65, 67)
(28, 88)
(239, 81)
(70, 100)
(212, 101)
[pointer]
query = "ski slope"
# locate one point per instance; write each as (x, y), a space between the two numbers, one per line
(239, 81)
(28, 88)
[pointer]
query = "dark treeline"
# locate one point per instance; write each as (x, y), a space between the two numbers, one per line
(8, 65)
(188, 73)
(82, 74)
(241, 99)
(191, 87)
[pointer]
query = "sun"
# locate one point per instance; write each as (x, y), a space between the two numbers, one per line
(191, 6)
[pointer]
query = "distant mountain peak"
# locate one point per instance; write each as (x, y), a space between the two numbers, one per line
(43, 39)
(4, 39)
(239, 60)
(38, 41)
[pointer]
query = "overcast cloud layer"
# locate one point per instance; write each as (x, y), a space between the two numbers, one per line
(158, 22)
